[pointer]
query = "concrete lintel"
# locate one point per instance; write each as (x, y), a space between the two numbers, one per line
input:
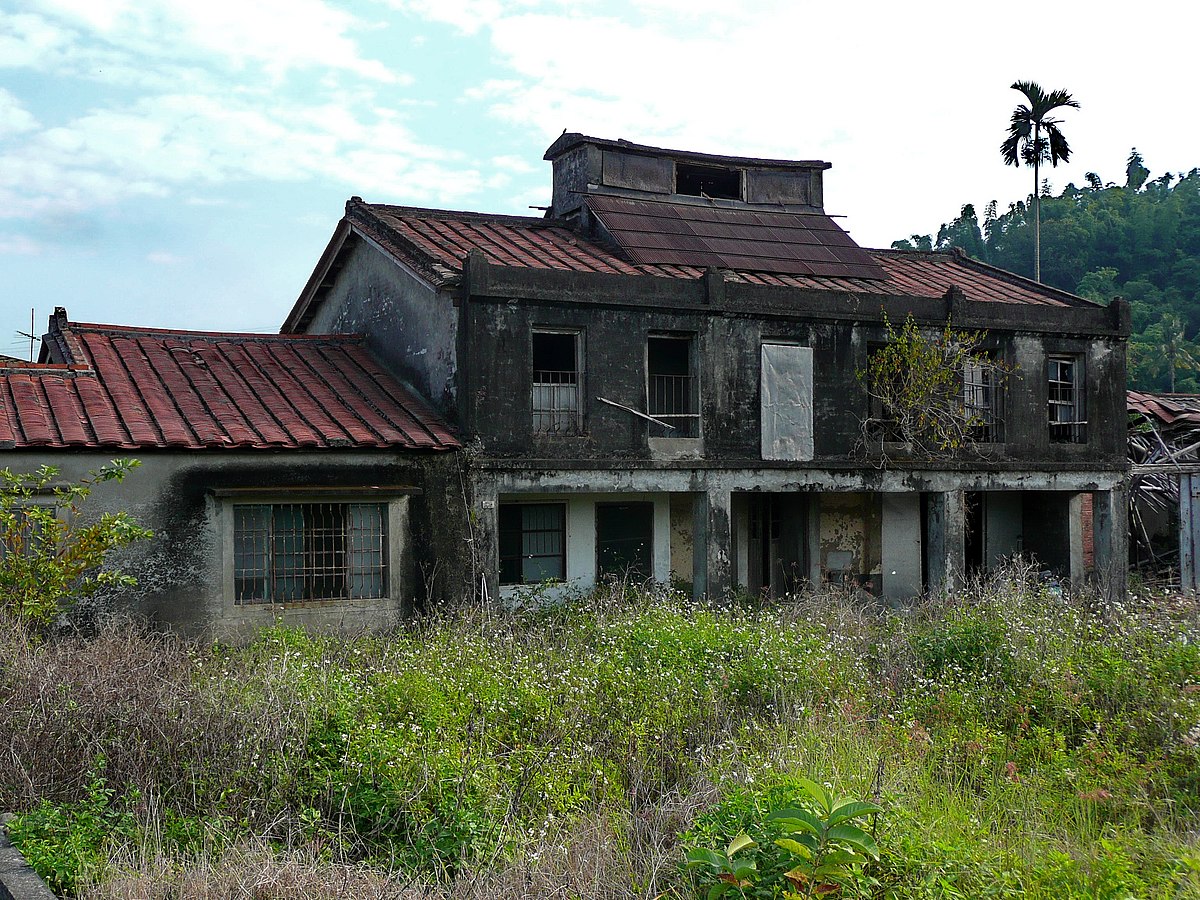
(798, 480)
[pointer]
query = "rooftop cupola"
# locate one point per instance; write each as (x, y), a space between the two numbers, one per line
(594, 166)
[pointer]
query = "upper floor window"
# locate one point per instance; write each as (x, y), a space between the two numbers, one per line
(1068, 423)
(288, 552)
(671, 385)
(708, 181)
(982, 400)
(557, 375)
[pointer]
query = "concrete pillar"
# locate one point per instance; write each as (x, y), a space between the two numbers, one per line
(946, 550)
(1110, 534)
(1077, 572)
(484, 541)
(713, 533)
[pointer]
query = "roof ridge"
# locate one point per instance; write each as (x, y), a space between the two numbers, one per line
(425, 212)
(237, 336)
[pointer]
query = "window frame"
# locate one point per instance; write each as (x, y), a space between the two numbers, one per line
(393, 504)
(555, 420)
(521, 506)
(688, 425)
(991, 430)
(1071, 430)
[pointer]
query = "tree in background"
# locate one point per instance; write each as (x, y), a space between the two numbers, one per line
(1034, 138)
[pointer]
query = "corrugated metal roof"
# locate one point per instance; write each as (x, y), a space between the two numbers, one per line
(435, 242)
(132, 388)
(729, 238)
(1170, 409)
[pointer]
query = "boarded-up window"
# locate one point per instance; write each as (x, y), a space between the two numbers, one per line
(787, 402)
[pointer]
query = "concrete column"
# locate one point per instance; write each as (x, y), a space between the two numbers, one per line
(946, 551)
(1110, 535)
(1077, 573)
(713, 534)
(484, 540)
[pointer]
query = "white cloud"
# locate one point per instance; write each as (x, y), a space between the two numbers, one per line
(14, 118)
(19, 245)
(163, 258)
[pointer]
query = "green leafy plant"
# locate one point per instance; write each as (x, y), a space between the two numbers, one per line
(724, 869)
(829, 846)
(932, 391)
(50, 556)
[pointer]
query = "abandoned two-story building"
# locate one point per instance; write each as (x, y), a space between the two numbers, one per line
(661, 376)
(658, 378)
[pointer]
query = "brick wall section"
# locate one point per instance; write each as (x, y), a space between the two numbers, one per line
(1089, 544)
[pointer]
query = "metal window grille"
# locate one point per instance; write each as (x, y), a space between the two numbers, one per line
(672, 401)
(533, 541)
(1067, 424)
(671, 386)
(982, 402)
(288, 552)
(555, 401)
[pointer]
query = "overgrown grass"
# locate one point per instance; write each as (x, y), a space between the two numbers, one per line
(1020, 744)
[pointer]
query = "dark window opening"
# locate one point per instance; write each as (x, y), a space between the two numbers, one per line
(983, 401)
(533, 541)
(708, 181)
(671, 387)
(625, 540)
(882, 424)
(1068, 424)
(555, 399)
(288, 552)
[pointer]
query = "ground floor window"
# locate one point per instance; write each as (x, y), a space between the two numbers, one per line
(533, 543)
(287, 552)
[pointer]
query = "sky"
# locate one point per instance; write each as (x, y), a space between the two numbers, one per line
(182, 163)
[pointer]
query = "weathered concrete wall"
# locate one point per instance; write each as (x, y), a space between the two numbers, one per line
(409, 327)
(614, 330)
(183, 573)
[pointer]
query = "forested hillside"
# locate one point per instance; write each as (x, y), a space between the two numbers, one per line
(1139, 240)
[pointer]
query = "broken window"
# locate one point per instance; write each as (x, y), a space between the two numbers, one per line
(671, 386)
(786, 402)
(286, 552)
(533, 542)
(556, 382)
(708, 181)
(1067, 422)
(625, 540)
(982, 400)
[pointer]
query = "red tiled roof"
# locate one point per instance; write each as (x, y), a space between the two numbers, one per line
(133, 388)
(435, 242)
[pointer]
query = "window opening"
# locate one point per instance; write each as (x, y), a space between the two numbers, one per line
(708, 181)
(556, 407)
(286, 552)
(1067, 423)
(671, 386)
(533, 540)
(982, 401)
(625, 539)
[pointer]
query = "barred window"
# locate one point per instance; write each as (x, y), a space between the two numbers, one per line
(556, 382)
(671, 386)
(533, 543)
(1068, 423)
(982, 400)
(287, 552)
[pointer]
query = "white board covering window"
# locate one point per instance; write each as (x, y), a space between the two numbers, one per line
(787, 402)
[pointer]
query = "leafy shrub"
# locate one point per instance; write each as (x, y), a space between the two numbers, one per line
(49, 555)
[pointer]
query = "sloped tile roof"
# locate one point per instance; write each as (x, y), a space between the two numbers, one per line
(135, 388)
(435, 242)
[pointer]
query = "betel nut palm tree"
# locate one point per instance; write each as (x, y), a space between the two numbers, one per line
(1034, 138)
